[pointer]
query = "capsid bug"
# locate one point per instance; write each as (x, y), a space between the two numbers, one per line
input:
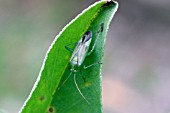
(80, 52)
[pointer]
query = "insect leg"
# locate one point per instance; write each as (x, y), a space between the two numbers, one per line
(85, 67)
(65, 80)
(79, 89)
(69, 49)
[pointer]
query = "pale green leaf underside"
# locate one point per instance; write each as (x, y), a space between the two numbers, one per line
(45, 98)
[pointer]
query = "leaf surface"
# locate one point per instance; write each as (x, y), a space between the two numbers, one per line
(46, 97)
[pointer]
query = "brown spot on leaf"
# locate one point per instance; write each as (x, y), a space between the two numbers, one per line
(42, 98)
(51, 110)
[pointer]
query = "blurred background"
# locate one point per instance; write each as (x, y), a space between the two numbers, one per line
(137, 56)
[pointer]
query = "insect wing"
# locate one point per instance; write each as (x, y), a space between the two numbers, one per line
(83, 51)
(74, 57)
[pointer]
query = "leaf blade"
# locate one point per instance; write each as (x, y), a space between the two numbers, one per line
(44, 96)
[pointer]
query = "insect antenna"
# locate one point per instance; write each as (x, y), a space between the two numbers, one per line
(65, 80)
(97, 37)
(79, 89)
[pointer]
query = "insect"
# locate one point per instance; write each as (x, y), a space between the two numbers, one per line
(79, 54)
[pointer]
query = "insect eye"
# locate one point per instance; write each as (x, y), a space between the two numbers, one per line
(84, 37)
(87, 36)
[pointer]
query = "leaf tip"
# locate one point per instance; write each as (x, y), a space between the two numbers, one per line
(111, 2)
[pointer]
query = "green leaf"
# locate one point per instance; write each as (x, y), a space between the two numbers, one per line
(45, 96)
